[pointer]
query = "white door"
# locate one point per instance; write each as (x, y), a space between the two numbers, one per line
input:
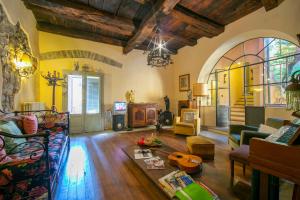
(83, 101)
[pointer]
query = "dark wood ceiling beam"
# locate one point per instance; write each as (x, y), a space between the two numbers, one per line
(56, 29)
(206, 27)
(79, 34)
(176, 37)
(99, 19)
(270, 4)
(149, 22)
(141, 1)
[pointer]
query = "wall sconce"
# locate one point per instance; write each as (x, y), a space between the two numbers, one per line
(24, 64)
(19, 55)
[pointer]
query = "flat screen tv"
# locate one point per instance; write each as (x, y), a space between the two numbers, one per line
(120, 107)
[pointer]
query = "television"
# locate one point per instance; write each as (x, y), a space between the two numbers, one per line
(120, 107)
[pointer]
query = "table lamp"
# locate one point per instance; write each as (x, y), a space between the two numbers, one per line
(200, 90)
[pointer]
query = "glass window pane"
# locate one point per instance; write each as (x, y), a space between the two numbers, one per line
(275, 94)
(255, 96)
(75, 94)
(93, 95)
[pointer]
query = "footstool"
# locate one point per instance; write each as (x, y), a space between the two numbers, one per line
(201, 147)
(241, 155)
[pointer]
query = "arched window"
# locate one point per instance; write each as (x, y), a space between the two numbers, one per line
(254, 72)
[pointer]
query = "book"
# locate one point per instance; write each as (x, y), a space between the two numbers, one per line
(179, 185)
(155, 163)
(142, 153)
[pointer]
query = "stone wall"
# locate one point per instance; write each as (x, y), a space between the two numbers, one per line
(80, 54)
(9, 33)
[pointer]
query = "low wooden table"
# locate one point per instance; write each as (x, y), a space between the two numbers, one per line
(154, 174)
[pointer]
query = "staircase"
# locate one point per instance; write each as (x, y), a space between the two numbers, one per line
(237, 111)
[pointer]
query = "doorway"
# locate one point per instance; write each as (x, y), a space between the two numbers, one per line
(83, 98)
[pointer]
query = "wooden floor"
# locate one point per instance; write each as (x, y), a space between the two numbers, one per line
(97, 168)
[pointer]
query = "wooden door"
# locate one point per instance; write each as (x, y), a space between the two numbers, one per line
(151, 116)
(139, 116)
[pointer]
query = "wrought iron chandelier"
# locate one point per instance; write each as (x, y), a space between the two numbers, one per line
(158, 54)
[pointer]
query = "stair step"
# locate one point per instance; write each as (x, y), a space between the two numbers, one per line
(237, 122)
(238, 114)
(238, 106)
(242, 100)
(240, 119)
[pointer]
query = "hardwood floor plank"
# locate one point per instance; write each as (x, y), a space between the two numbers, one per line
(97, 168)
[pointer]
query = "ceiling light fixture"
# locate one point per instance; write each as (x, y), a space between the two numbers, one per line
(158, 54)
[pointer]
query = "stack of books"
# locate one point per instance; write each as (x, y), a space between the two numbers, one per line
(179, 185)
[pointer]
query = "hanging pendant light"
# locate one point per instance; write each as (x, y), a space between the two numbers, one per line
(293, 92)
(158, 54)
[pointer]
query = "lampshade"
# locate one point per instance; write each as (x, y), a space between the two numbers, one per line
(200, 90)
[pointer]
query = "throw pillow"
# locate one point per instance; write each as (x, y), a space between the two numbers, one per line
(188, 117)
(12, 128)
(30, 124)
(3, 157)
(266, 129)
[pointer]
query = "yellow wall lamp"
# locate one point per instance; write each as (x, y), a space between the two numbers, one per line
(24, 64)
(19, 55)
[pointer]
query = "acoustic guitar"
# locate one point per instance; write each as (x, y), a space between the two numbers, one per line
(189, 163)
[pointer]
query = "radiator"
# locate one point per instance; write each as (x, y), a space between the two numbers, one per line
(29, 106)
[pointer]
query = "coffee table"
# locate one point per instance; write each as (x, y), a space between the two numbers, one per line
(154, 174)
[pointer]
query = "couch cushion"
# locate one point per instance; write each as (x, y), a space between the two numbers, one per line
(30, 124)
(188, 117)
(12, 128)
(235, 137)
(266, 129)
(23, 163)
(185, 124)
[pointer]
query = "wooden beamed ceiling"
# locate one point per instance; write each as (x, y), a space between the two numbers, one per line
(132, 23)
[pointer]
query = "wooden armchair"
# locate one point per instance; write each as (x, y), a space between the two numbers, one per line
(188, 123)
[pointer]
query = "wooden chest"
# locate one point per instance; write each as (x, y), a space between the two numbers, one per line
(142, 114)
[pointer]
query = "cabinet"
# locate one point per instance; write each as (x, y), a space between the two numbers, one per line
(142, 114)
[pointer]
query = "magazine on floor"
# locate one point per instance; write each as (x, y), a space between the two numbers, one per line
(142, 153)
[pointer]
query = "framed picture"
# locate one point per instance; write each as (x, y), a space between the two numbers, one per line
(184, 82)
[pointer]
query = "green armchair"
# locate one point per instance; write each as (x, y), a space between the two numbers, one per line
(241, 134)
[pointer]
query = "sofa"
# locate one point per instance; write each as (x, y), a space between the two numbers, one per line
(188, 123)
(241, 134)
(30, 169)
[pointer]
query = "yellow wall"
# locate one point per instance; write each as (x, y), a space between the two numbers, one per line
(16, 11)
(282, 22)
(236, 84)
(149, 84)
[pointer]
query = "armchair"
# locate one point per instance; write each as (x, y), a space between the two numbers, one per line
(188, 123)
(241, 134)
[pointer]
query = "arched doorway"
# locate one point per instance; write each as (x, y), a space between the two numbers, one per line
(253, 73)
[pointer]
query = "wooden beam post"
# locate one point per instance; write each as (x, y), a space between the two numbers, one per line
(61, 30)
(207, 27)
(270, 4)
(149, 22)
(77, 12)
